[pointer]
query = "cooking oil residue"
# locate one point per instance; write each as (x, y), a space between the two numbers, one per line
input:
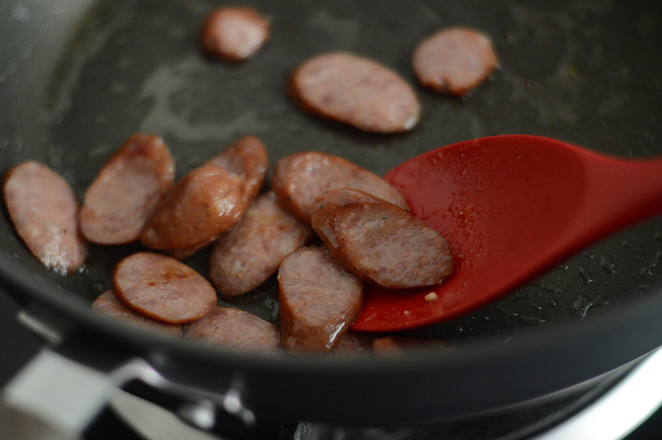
(524, 317)
(607, 264)
(533, 319)
(585, 274)
(649, 269)
(583, 304)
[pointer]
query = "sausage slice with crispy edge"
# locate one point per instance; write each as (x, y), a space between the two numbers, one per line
(248, 159)
(380, 242)
(300, 178)
(45, 213)
(109, 304)
(126, 190)
(252, 250)
(163, 288)
(234, 328)
(318, 300)
(202, 205)
(454, 61)
(356, 91)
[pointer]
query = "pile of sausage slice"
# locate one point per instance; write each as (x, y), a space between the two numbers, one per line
(326, 226)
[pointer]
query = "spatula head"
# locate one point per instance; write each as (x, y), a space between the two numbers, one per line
(502, 203)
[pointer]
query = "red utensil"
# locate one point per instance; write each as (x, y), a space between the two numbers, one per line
(510, 207)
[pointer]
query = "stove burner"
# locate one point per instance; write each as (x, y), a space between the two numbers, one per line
(610, 409)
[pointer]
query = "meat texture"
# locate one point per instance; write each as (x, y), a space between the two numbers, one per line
(318, 300)
(357, 91)
(248, 159)
(300, 178)
(126, 190)
(380, 242)
(204, 203)
(45, 213)
(454, 61)
(234, 328)
(234, 33)
(163, 288)
(251, 252)
(108, 303)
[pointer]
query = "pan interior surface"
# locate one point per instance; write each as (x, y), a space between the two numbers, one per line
(78, 77)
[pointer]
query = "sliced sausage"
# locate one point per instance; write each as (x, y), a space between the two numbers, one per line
(251, 252)
(163, 288)
(454, 61)
(44, 210)
(234, 328)
(382, 243)
(318, 300)
(183, 253)
(300, 178)
(234, 33)
(354, 342)
(355, 91)
(248, 159)
(126, 190)
(202, 205)
(109, 304)
(339, 197)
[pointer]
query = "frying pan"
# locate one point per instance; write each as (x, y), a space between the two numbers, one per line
(77, 77)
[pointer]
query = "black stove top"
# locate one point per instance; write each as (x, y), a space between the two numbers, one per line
(19, 345)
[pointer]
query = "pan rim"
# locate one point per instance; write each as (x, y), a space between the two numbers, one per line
(17, 282)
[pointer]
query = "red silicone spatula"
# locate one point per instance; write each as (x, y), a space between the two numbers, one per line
(510, 207)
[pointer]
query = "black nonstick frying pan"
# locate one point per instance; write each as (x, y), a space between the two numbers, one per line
(77, 77)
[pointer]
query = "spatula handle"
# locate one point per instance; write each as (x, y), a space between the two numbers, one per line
(620, 193)
(637, 186)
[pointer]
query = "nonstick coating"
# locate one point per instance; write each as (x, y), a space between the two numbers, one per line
(78, 77)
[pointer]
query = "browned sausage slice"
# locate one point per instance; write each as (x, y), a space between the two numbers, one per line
(381, 243)
(300, 178)
(454, 61)
(318, 300)
(356, 91)
(44, 210)
(248, 159)
(251, 252)
(339, 197)
(234, 33)
(354, 342)
(109, 304)
(126, 190)
(163, 288)
(234, 328)
(202, 205)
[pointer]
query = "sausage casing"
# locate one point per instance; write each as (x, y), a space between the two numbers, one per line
(202, 205)
(300, 178)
